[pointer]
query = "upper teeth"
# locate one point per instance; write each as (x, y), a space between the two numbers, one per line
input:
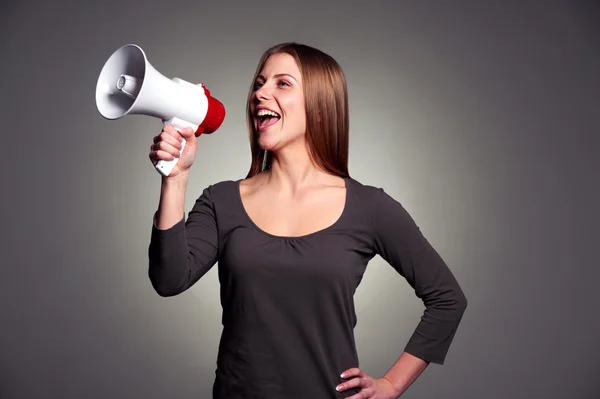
(264, 112)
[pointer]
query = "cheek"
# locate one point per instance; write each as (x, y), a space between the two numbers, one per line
(294, 108)
(298, 114)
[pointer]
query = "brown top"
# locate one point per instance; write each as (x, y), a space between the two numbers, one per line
(288, 310)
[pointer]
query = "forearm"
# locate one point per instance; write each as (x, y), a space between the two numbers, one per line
(171, 206)
(405, 371)
(409, 367)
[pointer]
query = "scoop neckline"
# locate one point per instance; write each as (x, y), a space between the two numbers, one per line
(282, 237)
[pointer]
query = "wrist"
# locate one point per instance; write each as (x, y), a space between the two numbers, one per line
(179, 180)
(393, 390)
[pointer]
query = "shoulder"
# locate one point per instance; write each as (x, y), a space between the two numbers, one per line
(251, 184)
(364, 192)
(373, 199)
(387, 216)
(230, 190)
(220, 191)
(223, 186)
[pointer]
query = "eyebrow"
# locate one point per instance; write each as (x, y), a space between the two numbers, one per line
(279, 75)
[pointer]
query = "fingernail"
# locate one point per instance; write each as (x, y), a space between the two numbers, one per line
(338, 388)
(343, 375)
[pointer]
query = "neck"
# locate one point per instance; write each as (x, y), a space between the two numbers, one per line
(292, 170)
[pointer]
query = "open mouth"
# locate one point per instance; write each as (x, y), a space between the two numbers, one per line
(266, 118)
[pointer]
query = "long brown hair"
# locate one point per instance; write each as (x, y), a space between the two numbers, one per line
(326, 102)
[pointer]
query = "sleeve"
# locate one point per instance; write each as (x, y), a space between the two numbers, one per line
(181, 255)
(400, 242)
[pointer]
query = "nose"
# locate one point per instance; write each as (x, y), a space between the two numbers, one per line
(263, 92)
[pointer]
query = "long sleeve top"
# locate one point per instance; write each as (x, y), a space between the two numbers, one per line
(288, 312)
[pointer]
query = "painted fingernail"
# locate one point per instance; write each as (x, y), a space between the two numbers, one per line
(338, 388)
(343, 375)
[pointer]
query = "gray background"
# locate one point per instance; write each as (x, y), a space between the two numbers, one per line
(480, 117)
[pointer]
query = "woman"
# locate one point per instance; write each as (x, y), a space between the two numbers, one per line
(293, 240)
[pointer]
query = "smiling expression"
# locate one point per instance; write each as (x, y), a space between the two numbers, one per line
(277, 104)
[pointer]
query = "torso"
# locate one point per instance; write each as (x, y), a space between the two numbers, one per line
(289, 264)
(287, 294)
(293, 215)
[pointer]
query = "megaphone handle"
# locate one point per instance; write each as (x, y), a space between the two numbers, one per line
(166, 167)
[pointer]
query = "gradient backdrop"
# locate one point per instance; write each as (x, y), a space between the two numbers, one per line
(481, 117)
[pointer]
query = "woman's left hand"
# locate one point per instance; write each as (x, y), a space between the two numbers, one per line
(370, 388)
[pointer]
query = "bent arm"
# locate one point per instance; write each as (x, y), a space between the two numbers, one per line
(181, 252)
(400, 242)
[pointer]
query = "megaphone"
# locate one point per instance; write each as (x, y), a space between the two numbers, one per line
(129, 84)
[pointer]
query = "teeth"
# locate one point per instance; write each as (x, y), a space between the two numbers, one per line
(265, 112)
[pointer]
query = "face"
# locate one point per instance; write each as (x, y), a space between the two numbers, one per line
(277, 103)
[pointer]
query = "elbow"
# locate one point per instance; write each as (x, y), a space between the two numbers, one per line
(164, 286)
(461, 305)
(452, 302)
(165, 292)
(168, 272)
(461, 301)
(458, 306)
(457, 301)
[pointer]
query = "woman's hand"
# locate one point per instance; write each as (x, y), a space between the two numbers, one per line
(167, 144)
(370, 388)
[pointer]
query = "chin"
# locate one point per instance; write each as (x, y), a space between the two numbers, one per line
(267, 142)
(276, 139)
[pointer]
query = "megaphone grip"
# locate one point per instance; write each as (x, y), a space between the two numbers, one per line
(166, 167)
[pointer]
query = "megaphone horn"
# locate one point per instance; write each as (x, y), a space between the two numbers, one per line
(129, 84)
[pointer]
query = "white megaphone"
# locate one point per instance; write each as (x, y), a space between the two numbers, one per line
(129, 84)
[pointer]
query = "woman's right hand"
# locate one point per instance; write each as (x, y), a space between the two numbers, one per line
(167, 144)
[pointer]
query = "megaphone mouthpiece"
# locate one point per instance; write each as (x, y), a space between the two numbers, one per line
(215, 115)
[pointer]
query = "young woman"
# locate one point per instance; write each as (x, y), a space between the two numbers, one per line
(292, 241)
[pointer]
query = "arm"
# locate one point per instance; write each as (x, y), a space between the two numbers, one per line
(172, 200)
(181, 252)
(399, 241)
(404, 372)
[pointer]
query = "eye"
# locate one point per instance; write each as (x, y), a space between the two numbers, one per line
(283, 83)
(257, 85)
